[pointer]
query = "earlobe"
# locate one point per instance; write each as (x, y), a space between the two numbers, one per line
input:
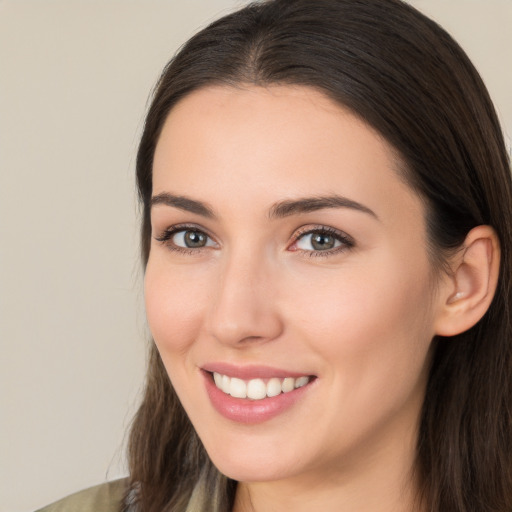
(469, 290)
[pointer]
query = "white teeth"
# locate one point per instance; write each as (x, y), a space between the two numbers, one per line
(301, 381)
(224, 385)
(273, 387)
(288, 384)
(237, 388)
(257, 389)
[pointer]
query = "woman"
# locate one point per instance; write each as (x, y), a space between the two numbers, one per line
(326, 236)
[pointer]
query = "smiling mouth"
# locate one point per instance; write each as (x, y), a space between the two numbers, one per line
(258, 389)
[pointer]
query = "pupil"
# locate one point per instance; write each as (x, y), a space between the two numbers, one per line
(195, 239)
(322, 242)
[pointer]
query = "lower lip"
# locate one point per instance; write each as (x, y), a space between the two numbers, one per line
(243, 410)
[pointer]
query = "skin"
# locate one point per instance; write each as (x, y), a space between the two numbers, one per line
(360, 319)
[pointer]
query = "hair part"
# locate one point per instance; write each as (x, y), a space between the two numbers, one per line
(409, 80)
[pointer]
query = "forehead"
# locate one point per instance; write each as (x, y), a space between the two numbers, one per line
(253, 146)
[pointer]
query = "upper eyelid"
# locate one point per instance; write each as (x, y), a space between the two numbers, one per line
(176, 228)
(308, 229)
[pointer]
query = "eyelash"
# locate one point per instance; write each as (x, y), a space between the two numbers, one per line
(166, 236)
(346, 242)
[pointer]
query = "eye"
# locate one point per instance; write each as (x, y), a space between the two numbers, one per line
(317, 242)
(322, 240)
(180, 238)
(191, 239)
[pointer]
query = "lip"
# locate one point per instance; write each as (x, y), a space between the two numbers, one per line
(250, 371)
(245, 411)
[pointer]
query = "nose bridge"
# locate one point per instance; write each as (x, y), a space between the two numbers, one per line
(242, 308)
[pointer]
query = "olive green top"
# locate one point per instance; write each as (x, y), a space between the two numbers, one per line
(106, 497)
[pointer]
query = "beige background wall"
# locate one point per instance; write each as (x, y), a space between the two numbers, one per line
(74, 78)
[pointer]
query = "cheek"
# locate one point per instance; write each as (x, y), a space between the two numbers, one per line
(173, 307)
(370, 331)
(368, 316)
(175, 313)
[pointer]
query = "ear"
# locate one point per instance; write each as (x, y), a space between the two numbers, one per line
(468, 291)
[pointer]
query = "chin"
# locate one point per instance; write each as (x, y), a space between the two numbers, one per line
(259, 464)
(246, 472)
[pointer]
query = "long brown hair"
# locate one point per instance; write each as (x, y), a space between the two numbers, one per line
(406, 77)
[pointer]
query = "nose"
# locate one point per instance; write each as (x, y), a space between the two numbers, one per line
(244, 307)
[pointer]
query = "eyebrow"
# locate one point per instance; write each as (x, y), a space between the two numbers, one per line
(311, 204)
(279, 210)
(183, 203)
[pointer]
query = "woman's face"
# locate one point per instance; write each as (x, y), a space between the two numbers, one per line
(289, 258)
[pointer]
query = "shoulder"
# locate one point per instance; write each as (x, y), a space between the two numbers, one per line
(106, 497)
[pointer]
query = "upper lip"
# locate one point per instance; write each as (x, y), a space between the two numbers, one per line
(247, 372)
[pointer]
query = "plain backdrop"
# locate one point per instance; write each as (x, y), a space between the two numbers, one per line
(75, 76)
